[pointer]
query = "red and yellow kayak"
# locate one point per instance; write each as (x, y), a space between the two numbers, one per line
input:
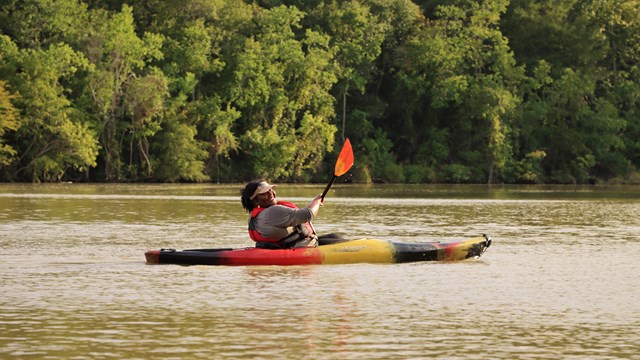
(347, 252)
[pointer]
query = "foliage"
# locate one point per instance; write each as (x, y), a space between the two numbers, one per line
(228, 90)
(54, 136)
(281, 83)
(9, 121)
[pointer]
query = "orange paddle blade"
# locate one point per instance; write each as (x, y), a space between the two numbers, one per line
(345, 159)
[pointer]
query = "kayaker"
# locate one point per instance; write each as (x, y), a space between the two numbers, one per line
(278, 224)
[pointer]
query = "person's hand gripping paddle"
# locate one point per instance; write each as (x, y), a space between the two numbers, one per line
(343, 164)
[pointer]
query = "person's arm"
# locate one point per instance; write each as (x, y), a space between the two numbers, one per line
(315, 204)
(282, 216)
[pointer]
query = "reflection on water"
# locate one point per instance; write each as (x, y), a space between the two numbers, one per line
(560, 281)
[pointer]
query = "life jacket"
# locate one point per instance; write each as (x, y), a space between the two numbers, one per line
(301, 231)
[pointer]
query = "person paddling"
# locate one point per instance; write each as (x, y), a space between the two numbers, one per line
(278, 224)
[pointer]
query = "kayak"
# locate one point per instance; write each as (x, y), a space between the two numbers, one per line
(346, 252)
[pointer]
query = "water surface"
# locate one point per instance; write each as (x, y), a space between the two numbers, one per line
(560, 281)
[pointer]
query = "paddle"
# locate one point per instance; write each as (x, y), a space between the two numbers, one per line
(343, 164)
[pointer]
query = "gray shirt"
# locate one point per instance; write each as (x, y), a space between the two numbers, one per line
(278, 221)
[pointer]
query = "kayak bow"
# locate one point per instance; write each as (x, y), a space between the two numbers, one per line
(347, 252)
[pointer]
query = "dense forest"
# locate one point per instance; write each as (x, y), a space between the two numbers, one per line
(465, 91)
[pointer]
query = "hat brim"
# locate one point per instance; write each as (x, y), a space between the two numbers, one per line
(262, 188)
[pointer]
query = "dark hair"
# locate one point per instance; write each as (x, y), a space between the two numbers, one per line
(246, 193)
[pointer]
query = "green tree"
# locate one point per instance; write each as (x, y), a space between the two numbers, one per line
(459, 76)
(561, 33)
(54, 136)
(121, 59)
(281, 87)
(180, 157)
(492, 94)
(578, 131)
(144, 103)
(9, 121)
(180, 154)
(42, 23)
(581, 109)
(195, 135)
(619, 23)
(217, 130)
(357, 35)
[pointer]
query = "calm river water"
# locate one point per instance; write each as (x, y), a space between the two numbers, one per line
(561, 280)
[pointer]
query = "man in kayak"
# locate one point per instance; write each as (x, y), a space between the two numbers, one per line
(278, 224)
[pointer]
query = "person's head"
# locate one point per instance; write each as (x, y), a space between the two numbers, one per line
(258, 193)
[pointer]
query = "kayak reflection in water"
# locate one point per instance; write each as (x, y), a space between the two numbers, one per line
(277, 224)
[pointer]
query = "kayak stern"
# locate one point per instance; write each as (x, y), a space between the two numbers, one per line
(152, 256)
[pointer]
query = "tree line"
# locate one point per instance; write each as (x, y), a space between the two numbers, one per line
(465, 91)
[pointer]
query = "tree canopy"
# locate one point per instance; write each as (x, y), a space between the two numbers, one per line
(228, 90)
